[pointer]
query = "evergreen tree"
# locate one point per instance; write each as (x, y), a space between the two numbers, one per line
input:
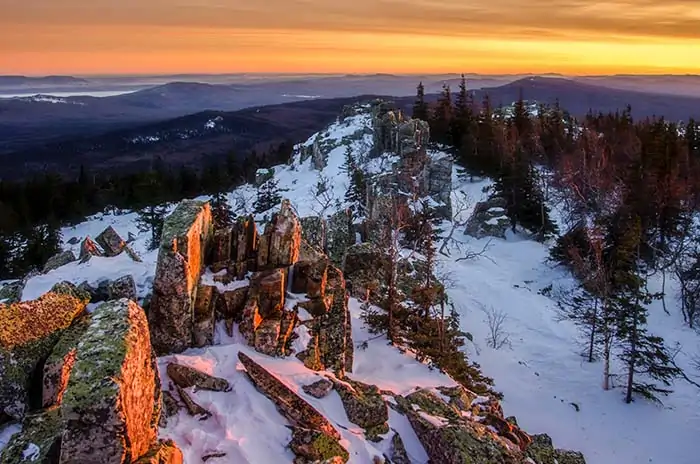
(42, 242)
(221, 211)
(268, 197)
(420, 107)
(441, 120)
(151, 219)
(356, 195)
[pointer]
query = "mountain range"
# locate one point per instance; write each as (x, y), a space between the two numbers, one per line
(45, 132)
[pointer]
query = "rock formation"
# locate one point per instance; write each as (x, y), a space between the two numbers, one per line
(100, 389)
(186, 234)
(488, 219)
(28, 333)
(61, 259)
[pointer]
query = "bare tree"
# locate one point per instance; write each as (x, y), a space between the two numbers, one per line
(460, 206)
(498, 336)
(323, 196)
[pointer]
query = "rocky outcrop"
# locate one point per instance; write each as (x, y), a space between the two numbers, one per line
(111, 242)
(262, 175)
(312, 446)
(455, 426)
(394, 133)
(365, 266)
(186, 377)
(291, 406)
(489, 219)
(184, 244)
(398, 450)
(111, 405)
(279, 245)
(88, 249)
(318, 389)
(364, 406)
(123, 287)
(58, 260)
(28, 333)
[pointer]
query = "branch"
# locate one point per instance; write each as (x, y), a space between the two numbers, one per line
(478, 254)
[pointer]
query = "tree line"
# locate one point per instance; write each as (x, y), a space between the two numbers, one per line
(32, 211)
(628, 191)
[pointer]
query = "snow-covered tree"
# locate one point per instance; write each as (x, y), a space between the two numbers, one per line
(268, 196)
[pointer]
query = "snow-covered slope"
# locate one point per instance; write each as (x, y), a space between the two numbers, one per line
(546, 383)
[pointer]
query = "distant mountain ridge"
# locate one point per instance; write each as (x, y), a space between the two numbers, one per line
(16, 81)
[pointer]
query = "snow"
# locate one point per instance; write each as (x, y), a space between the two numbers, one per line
(31, 453)
(47, 99)
(7, 432)
(541, 374)
(246, 425)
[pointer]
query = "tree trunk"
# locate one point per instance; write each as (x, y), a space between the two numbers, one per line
(591, 341)
(631, 364)
(663, 291)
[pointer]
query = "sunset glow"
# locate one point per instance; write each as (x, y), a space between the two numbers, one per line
(402, 36)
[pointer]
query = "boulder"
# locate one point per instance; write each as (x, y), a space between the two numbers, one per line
(185, 377)
(59, 364)
(318, 389)
(73, 241)
(279, 245)
(68, 288)
(489, 219)
(204, 317)
(313, 230)
(292, 406)
(569, 457)
(11, 292)
(192, 407)
(170, 406)
(58, 260)
(439, 186)
(450, 438)
(28, 333)
(111, 407)
(312, 446)
(111, 242)
(268, 287)
(162, 452)
(88, 249)
(230, 304)
(364, 406)
(39, 441)
(262, 175)
(184, 242)
(97, 294)
(123, 287)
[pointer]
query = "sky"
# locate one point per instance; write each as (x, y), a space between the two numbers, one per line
(355, 36)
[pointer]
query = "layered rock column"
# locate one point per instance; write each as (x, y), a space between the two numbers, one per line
(186, 235)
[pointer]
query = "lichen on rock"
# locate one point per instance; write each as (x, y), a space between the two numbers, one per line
(39, 441)
(108, 405)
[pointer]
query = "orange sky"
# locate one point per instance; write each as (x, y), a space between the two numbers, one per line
(402, 36)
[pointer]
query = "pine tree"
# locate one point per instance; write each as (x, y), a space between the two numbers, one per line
(356, 195)
(151, 219)
(268, 197)
(420, 107)
(441, 120)
(221, 211)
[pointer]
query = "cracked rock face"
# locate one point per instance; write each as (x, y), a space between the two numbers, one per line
(186, 235)
(186, 377)
(28, 333)
(111, 405)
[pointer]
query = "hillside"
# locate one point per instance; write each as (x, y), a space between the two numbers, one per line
(546, 385)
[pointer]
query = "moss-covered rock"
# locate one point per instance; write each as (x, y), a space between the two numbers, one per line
(541, 449)
(291, 405)
(28, 333)
(569, 457)
(398, 450)
(38, 442)
(109, 405)
(11, 292)
(184, 244)
(162, 452)
(313, 446)
(58, 260)
(364, 406)
(68, 288)
(186, 377)
(59, 364)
